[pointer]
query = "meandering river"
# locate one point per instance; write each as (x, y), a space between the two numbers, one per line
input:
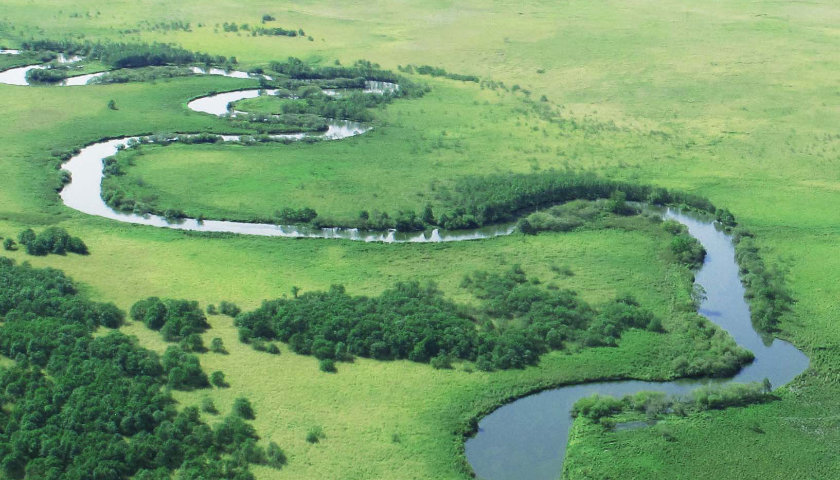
(526, 438)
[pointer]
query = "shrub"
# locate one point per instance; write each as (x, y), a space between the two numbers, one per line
(229, 308)
(315, 434)
(9, 244)
(327, 365)
(208, 406)
(217, 346)
(217, 378)
(243, 409)
(275, 456)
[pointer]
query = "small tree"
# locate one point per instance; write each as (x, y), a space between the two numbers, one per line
(315, 434)
(275, 456)
(295, 291)
(9, 244)
(229, 308)
(112, 104)
(243, 409)
(217, 346)
(208, 406)
(217, 378)
(327, 365)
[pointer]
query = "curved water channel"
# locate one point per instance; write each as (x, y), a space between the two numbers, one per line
(526, 438)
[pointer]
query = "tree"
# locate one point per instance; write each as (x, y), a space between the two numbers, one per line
(217, 378)
(217, 346)
(295, 291)
(243, 409)
(275, 456)
(9, 244)
(327, 365)
(112, 104)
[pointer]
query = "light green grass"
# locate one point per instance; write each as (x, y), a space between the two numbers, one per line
(734, 100)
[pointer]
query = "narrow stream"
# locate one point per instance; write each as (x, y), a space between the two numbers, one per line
(527, 438)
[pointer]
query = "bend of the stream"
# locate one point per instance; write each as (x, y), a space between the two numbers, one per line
(527, 438)
(84, 192)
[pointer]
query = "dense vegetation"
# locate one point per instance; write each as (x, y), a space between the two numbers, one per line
(52, 240)
(654, 405)
(518, 320)
(128, 55)
(765, 287)
(176, 319)
(438, 72)
(79, 407)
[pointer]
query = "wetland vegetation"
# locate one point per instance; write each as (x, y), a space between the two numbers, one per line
(561, 102)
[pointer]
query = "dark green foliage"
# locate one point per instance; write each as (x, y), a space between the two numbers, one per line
(176, 319)
(482, 200)
(79, 407)
(657, 404)
(243, 409)
(211, 310)
(687, 250)
(561, 218)
(291, 215)
(52, 240)
(765, 287)
(275, 456)
(208, 406)
(217, 378)
(183, 370)
(128, 55)
(441, 362)
(315, 434)
(327, 365)
(142, 74)
(217, 346)
(9, 244)
(47, 75)
(193, 343)
(229, 308)
(112, 105)
(438, 72)
(416, 322)
(725, 217)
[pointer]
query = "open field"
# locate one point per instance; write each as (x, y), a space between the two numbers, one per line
(737, 101)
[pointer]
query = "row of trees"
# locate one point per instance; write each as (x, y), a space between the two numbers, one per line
(128, 55)
(599, 408)
(80, 407)
(517, 321)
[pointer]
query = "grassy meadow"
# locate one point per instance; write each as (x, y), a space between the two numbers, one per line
(737, 101)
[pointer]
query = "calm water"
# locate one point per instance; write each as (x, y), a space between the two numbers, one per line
(527, 438)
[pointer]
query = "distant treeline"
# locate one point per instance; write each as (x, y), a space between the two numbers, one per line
(129, 55)
(475, 201)
(437, 72)
(415, 322)
(81, 406)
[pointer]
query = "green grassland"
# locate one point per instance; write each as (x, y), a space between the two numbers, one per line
(733, 100)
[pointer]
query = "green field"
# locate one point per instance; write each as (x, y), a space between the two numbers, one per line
(736, 101)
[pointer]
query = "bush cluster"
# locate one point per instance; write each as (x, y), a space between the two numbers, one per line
(415, 322)
(52, 240)
(175, 319)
